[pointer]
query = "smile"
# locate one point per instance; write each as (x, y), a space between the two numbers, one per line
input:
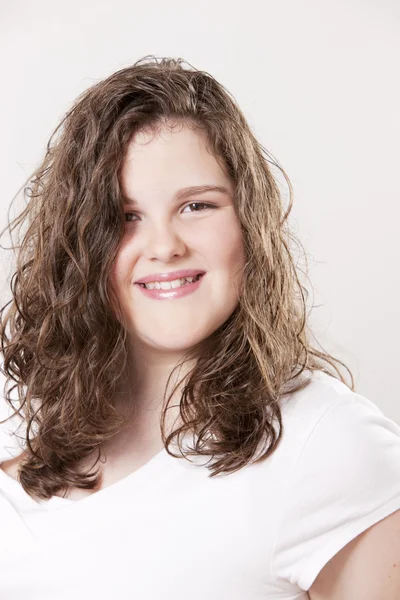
(169, 290)
(167, 285)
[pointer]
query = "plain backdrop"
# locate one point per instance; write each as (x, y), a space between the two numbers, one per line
(319, 84)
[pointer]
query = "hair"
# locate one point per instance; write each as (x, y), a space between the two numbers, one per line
(67, 348)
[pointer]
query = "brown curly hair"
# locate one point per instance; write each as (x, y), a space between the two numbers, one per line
(66, 348)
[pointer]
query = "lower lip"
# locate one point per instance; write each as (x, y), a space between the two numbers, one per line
(183, 290)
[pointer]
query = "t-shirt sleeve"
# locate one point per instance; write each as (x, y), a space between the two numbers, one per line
(347, 479)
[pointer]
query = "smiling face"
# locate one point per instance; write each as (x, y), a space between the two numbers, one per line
(165, 232)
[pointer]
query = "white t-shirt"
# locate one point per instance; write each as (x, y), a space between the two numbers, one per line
(168, 531)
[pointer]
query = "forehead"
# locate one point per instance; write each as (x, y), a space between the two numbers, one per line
(164, 142)
(166, 159)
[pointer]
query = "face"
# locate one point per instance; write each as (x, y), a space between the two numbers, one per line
(166, 232)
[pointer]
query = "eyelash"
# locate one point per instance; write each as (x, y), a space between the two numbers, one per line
(190, 204)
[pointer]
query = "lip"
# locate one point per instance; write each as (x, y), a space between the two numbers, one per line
(170, 276)
(171, 294)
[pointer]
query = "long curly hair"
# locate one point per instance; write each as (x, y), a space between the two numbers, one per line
(66, 345)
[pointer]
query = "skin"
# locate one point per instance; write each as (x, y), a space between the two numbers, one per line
(367, 568)
(168, 234)
(162, 234)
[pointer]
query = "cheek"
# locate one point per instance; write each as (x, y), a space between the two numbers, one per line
(233, 249)
(120, 264)
(224, 241)
(226, 256)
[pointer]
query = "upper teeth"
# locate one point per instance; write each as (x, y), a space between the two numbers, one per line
(166, 285)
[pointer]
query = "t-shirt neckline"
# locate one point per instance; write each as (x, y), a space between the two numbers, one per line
(146, 472)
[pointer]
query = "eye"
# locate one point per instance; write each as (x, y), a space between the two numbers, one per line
(200, 204)
(129, 213)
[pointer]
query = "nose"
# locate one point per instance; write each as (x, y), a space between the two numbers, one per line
(163, 243)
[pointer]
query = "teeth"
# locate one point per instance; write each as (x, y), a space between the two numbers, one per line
(167, 285)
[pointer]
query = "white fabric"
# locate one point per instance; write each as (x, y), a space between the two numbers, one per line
(169, 531)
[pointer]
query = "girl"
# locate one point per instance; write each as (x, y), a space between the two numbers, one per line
(182, 438)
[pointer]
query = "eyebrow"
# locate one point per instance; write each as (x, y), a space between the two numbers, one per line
(186, 192)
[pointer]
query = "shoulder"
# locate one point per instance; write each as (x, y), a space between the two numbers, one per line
(345, 476)
(344, 436)
(323, 404)
(327, 403)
